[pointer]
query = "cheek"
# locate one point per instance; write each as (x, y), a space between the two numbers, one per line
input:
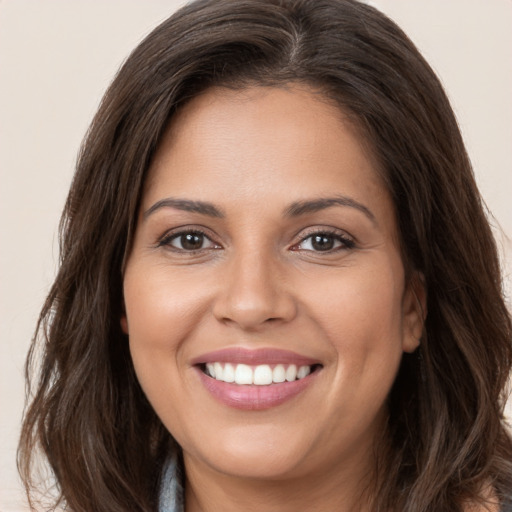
(360, 313)
(162, 306)
(162, 309)
(363, 307)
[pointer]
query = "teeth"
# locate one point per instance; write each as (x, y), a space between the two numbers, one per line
(291, 373)
(303, 371)
(229, 373)
(279, 374)
(243, 374)
(261, 375)
(219, 371)
(210, 369)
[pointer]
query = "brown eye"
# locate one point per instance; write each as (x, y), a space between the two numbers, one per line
(188, 241)
(322, 242)
(191, 241)
(325, 242)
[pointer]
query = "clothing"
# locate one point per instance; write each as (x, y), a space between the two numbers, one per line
(171, 488)
(171, 494)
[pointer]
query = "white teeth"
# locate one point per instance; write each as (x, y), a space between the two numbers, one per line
(210, 369)
(279, 374)
(291, 373)
(303, 372)
(219, 371)
(229, 373)
(260, 375)
(243, 374)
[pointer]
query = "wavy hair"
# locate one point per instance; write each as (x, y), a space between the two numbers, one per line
(87, 413)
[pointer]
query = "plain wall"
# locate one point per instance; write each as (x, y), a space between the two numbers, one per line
(58, 56)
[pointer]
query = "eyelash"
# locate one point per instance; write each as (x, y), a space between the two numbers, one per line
(168, 238)
(346, 243)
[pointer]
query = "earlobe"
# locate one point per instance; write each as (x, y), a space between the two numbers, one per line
(414, 312)
(124, 324)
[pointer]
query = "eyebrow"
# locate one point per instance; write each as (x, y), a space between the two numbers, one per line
(302, 207)
(294, 210)
(201, 207)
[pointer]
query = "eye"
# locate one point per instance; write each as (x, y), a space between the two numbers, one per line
(188, 241)
(324, 242)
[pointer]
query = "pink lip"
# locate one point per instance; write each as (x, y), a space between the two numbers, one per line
(254, 357)
(252, 397)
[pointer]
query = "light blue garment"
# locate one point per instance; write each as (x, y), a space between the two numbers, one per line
(171, 488)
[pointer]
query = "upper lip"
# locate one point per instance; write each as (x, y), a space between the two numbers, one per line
(254, 357)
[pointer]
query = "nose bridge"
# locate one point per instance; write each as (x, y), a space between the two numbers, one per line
(253, 291)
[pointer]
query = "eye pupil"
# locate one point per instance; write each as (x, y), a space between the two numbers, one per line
(192, 241)
(322, 242)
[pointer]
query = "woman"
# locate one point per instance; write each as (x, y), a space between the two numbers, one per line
(278, 287)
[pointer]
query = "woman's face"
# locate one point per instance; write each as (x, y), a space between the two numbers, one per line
(266, 252)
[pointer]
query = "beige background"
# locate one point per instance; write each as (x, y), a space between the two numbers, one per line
(56, 59)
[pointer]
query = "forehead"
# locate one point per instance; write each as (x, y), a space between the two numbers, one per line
(264, 146)
(267, 126)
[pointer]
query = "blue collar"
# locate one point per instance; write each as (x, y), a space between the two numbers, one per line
(171, 488)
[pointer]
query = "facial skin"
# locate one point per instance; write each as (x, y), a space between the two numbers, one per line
(258, 280)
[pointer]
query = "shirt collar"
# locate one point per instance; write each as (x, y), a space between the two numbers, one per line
(171, 488)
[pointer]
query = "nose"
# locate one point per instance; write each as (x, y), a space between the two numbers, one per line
(254, 293)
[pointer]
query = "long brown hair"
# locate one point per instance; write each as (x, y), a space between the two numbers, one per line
(88, 414)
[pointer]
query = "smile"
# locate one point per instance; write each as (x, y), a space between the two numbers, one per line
(260, 375)
(255, 379)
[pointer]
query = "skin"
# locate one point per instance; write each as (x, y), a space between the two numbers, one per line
(258, 281)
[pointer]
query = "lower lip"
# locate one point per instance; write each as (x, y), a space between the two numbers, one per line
(254, 398)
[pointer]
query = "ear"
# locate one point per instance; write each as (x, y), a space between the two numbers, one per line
(124, 324)
(414, 312)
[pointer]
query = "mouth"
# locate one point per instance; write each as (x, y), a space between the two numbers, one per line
(257, 375)
(256, 379)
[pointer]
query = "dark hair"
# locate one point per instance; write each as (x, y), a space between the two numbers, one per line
(447, 435)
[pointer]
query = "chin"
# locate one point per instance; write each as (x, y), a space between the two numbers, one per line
(255, 454)
(256, 466)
